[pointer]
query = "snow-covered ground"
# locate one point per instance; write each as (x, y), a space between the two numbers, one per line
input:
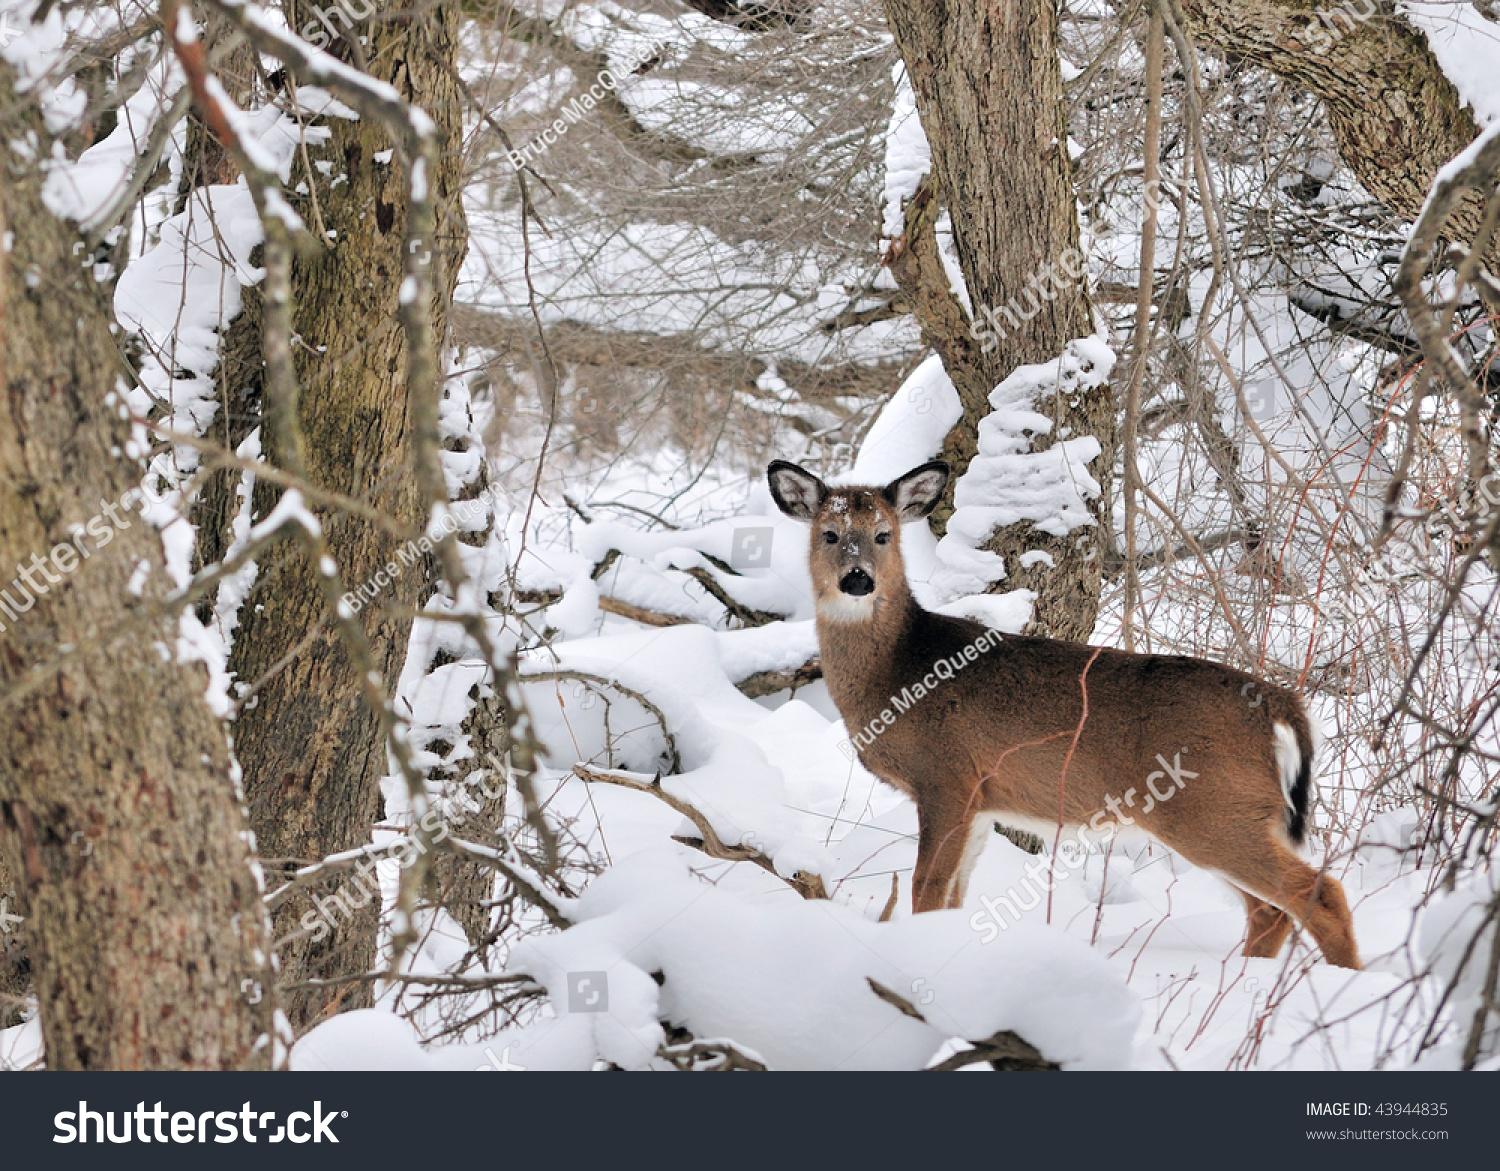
(1130, 961)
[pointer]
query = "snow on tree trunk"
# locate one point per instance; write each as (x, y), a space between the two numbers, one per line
(988, 84)
(310, 747)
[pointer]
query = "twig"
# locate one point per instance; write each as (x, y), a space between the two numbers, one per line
(1004, 1051)
(1143, 327)
(809, 886)
(1475, 168)
(600, 681)
(764, 683)
(509, 864)
(610, 606)
(745, 615)
(890, 904)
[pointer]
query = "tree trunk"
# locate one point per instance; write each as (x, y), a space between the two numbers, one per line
(118, 817)
(15, 961)
(1394, 114)
(462, 887)
(311, 749)
(989, 91)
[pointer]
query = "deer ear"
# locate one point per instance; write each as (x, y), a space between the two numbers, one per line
(797, 493)
(916, 494)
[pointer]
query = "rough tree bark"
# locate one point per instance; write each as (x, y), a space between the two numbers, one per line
(15, 962)
(1394, 114)
(146, 933)
(989, 90)
(310, 748)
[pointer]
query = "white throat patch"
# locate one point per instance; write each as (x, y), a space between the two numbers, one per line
(841, 607)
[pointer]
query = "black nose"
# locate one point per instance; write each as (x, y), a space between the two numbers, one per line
(858, 583)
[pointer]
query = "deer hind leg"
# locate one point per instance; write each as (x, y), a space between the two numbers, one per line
(1314, 899)
(1268, 927)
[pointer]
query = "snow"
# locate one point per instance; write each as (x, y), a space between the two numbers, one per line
(320, 65)
(791, 981)
(744, 959)
(1457, 939)
(1466, 158)
(942, 232)
(629, 37)
(659, 104)
(666, 278)
(1009, 481)
(34, 54)
(246, 132)
(907, 155)
(910, 428)
(276, 205)
(85, 189)
(291, 509)
(1133, 959)
(181, 295)
(236, 588)
(787, 981)
(1467, 48)
(314, 101)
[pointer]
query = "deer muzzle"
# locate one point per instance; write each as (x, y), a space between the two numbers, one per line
(857, 583)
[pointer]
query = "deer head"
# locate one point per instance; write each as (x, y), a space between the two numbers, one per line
(854, 549)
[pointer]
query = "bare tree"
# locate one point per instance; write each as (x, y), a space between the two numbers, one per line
(147, 937)
(989, 88)
(311, 748)
(1396, 117)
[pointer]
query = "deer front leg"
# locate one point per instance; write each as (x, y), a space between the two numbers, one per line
(945, 852)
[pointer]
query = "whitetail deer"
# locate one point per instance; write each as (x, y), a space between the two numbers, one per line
(1041, 734)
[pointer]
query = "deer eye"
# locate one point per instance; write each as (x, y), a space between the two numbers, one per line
(830, 537)
(882, 538)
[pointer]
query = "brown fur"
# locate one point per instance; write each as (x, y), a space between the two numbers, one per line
(1007, 734)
